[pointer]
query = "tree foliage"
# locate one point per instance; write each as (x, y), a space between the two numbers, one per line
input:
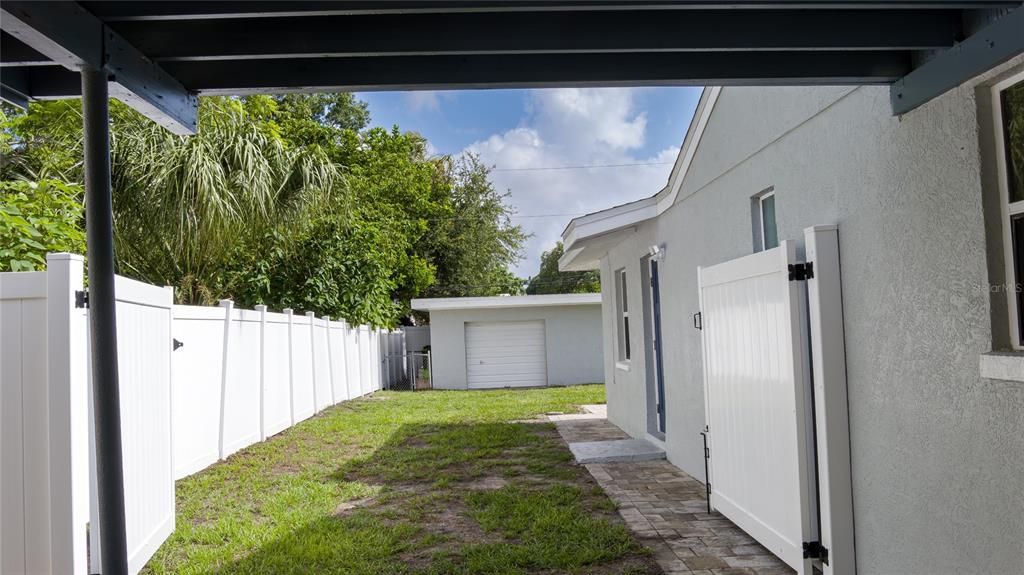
(473, 243)
(288, 201)
(549, 280)
(37, 218)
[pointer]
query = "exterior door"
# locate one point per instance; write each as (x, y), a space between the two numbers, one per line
(505, 354)
(757, 398)
(659, 371)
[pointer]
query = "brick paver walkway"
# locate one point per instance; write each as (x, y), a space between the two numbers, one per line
(667, 510)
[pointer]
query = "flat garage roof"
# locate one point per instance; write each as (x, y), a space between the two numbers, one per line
(498, 302)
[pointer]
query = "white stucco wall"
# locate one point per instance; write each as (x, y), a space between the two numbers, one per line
(937, 451)
(572, 333)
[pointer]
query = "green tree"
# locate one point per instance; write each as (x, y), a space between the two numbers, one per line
(549, 280)
(289, 201)
(37, 218)
(473, 243)
(188, 209)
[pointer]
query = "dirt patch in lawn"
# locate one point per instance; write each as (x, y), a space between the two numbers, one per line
(345, 508)
(497, 498)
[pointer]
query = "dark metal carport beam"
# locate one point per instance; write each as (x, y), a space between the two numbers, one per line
(39, 82)
(149, 10)
(72, 37)
(14, 87)
(15, 53)
(993, 45)
(523, 33)
(539, 70)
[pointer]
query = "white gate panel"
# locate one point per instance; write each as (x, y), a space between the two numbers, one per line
(755, 386)
(144, 369)
(302, 368)
(197, 386)
(277, 395)
(506, 354)
(241, 425)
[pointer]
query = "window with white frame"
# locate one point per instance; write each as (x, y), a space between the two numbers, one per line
(762, 218)
(622, 316)
(766, 211)
(1008, 107)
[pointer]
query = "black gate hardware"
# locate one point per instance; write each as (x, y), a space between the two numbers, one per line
(801, 272)
(698, 321)
(81, 298)
(814, 550)
(707, 455)
(176, 344)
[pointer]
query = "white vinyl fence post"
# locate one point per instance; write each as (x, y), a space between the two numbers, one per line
(386, 361)
(291, 367)
(68, 411)
(228, 306)
(262, 309)
(359, 359)
(344, 359)
(831, 411)
(312, 356)
(404, 365)
(330, 358)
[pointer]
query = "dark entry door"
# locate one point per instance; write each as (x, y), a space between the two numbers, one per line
(659, 372)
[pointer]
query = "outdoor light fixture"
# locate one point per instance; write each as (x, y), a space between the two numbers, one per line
(657, 252)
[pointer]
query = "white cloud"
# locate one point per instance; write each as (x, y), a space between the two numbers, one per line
(572, 127)
(424, 100)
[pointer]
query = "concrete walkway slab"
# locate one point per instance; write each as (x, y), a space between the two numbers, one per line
(615, 450)
(589, 412)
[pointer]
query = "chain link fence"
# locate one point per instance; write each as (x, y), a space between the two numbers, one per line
(407, 371)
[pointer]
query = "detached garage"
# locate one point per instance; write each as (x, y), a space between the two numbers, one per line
(515, 341)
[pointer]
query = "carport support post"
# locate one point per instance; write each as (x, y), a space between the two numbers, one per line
(99, 221)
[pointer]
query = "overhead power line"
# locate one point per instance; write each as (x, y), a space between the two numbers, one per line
(580, 167)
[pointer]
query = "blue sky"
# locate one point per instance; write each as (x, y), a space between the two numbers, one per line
(517, 130)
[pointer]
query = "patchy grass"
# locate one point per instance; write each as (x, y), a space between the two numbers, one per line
(431, 483)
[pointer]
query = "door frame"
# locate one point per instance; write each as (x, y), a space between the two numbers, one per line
(653, 350)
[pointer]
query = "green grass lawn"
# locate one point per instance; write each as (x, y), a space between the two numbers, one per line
(432, 483)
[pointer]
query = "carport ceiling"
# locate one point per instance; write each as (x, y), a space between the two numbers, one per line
(162, 54)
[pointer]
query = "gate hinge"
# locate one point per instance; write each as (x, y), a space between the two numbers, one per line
(81, 298)
(814, 550)
(175, 344)
(801, 272)
(698, 320)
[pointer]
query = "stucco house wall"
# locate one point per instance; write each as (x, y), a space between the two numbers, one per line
(573, 339)
(937, 450)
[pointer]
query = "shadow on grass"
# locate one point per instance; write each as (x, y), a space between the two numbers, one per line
(485, 498)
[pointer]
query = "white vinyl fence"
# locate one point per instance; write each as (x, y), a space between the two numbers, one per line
(196, 383)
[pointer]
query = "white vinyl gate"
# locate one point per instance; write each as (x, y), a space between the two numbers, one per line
(760, 407)
(755, 395)
(144, 370)
(506, 354)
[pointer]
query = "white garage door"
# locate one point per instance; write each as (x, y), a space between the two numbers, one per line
(505, 354)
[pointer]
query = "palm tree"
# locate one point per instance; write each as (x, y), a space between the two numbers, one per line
(184, 207)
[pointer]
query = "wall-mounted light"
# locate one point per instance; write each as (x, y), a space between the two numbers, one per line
(657, 252)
